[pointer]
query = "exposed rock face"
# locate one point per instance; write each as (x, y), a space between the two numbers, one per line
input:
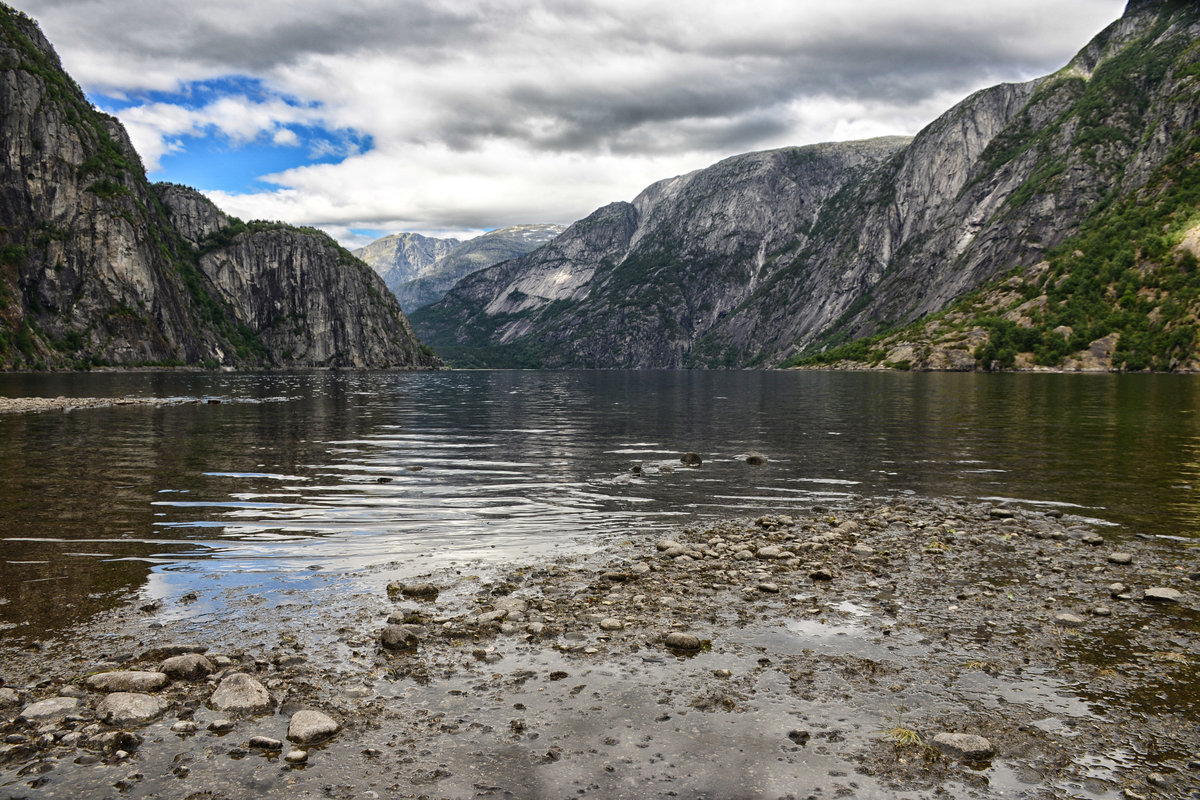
(99, 267)
(403, 257)
(470, 257)
(768, 254)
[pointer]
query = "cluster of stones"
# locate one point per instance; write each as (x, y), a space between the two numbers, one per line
(128, 700)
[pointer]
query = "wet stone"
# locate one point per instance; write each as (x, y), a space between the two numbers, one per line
(265, 743)
(188, 667)
(611, 624)
(1069, 620)
(296, 757)
(1163, 594)
(221, 726)
(310, 726)
(398, 637)
(1120, 558)
(184, 726)
(9, 698)
(239, 693)
(691, 460)
(130, 708)
(682, 641)
(964, 746)
(127, 681)
(1117, 589)
(49, 710)
(821, 575)
(1102, 611)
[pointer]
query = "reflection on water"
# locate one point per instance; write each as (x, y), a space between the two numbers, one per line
(337, 471)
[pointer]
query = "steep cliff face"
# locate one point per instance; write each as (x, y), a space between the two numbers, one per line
(99, 268)
(403, 257)
(758, 258)
(468, 257)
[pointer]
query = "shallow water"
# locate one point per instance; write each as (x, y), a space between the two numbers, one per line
(294, 476)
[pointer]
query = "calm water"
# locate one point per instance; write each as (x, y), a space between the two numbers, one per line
(296, 474)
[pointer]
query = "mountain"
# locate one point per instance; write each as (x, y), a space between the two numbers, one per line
(469, 257)
(769, 255)
(403, 257)
(100, 268)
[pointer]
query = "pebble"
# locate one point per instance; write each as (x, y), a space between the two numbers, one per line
(1163, 594)
(769, 588)
(1117, 589)
(296, 757)
(1102, 611)
(1120, 558)
(239, 693)
(964, 746)
(184, 726)
(821, 575)
(611, 624)
(1093, 539)
(1069, 620)
(127, 681)
(130, 708)
(310, 726)
(682, 641)
(1158, 780)
(221, 725)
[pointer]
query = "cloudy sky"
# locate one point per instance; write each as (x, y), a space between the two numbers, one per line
(448, 117)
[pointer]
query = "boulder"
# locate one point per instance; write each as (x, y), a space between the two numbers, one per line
(49, 710)
(682, 641)
(130, 708)
(309, 726)
(188, 667)
(398, 637)
(127, 681)
(241, 694)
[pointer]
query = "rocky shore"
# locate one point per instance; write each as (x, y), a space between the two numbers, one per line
(895, 647)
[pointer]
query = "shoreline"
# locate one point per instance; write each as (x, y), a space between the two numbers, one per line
(829, 651)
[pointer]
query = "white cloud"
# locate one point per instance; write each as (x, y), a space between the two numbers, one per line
(485, 113)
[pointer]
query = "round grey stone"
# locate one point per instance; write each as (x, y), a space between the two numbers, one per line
(241, 694)
(1120, 558)
(611, 624)
(296, 757)
(130, 708)
(310, 726)
(189, 667)
(398, 637)
(682, 641)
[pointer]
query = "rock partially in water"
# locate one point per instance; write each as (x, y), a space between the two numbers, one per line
(691, 460)
(611, 624)
(1120, 558)
(310, 726)
(756, 459)
(964, 746)
(188, 667)
(398, 637)
(682, 641)
(241, 694)
(127, 681)
(130, 708)
(265, 743)
(51, 709)
(1163, 594)
(296, 757)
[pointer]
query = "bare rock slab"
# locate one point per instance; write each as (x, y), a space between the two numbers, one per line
(309, 726)
(130, 708)
(1162, 594)
(241, 694)
(964, 746)
(188, 667)
(127, 681)
(49, 710)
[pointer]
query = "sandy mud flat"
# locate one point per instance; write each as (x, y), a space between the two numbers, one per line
(897, 647)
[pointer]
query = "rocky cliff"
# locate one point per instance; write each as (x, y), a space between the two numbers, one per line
(768, 255)
(98, 267)
(403, 257)
(470, 257)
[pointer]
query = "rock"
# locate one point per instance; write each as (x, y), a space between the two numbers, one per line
(821, 575)
(265, 743)
(611, 624)
(1163, 594)
(309, 726)
(1094, 539)
(241, 694)
(184, 726)
(1117, 589)
(799, 737)
(769, 588)
(169, 650)
(743, 555)
(424, 591)
(640, 568)
(756, 459)
(1102, 611)
(1069, 620)
(1158, 780)
(1120, 558)
(130, 708)
(691, 460)
(398, 637)
(964, 746)
(668, 544)
(296, 757)
(9, 698)
(188, 667)
(771, 551)
(682, 641)
(51, 709)
(127, 681)
(1001, 513)
(221, 725)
